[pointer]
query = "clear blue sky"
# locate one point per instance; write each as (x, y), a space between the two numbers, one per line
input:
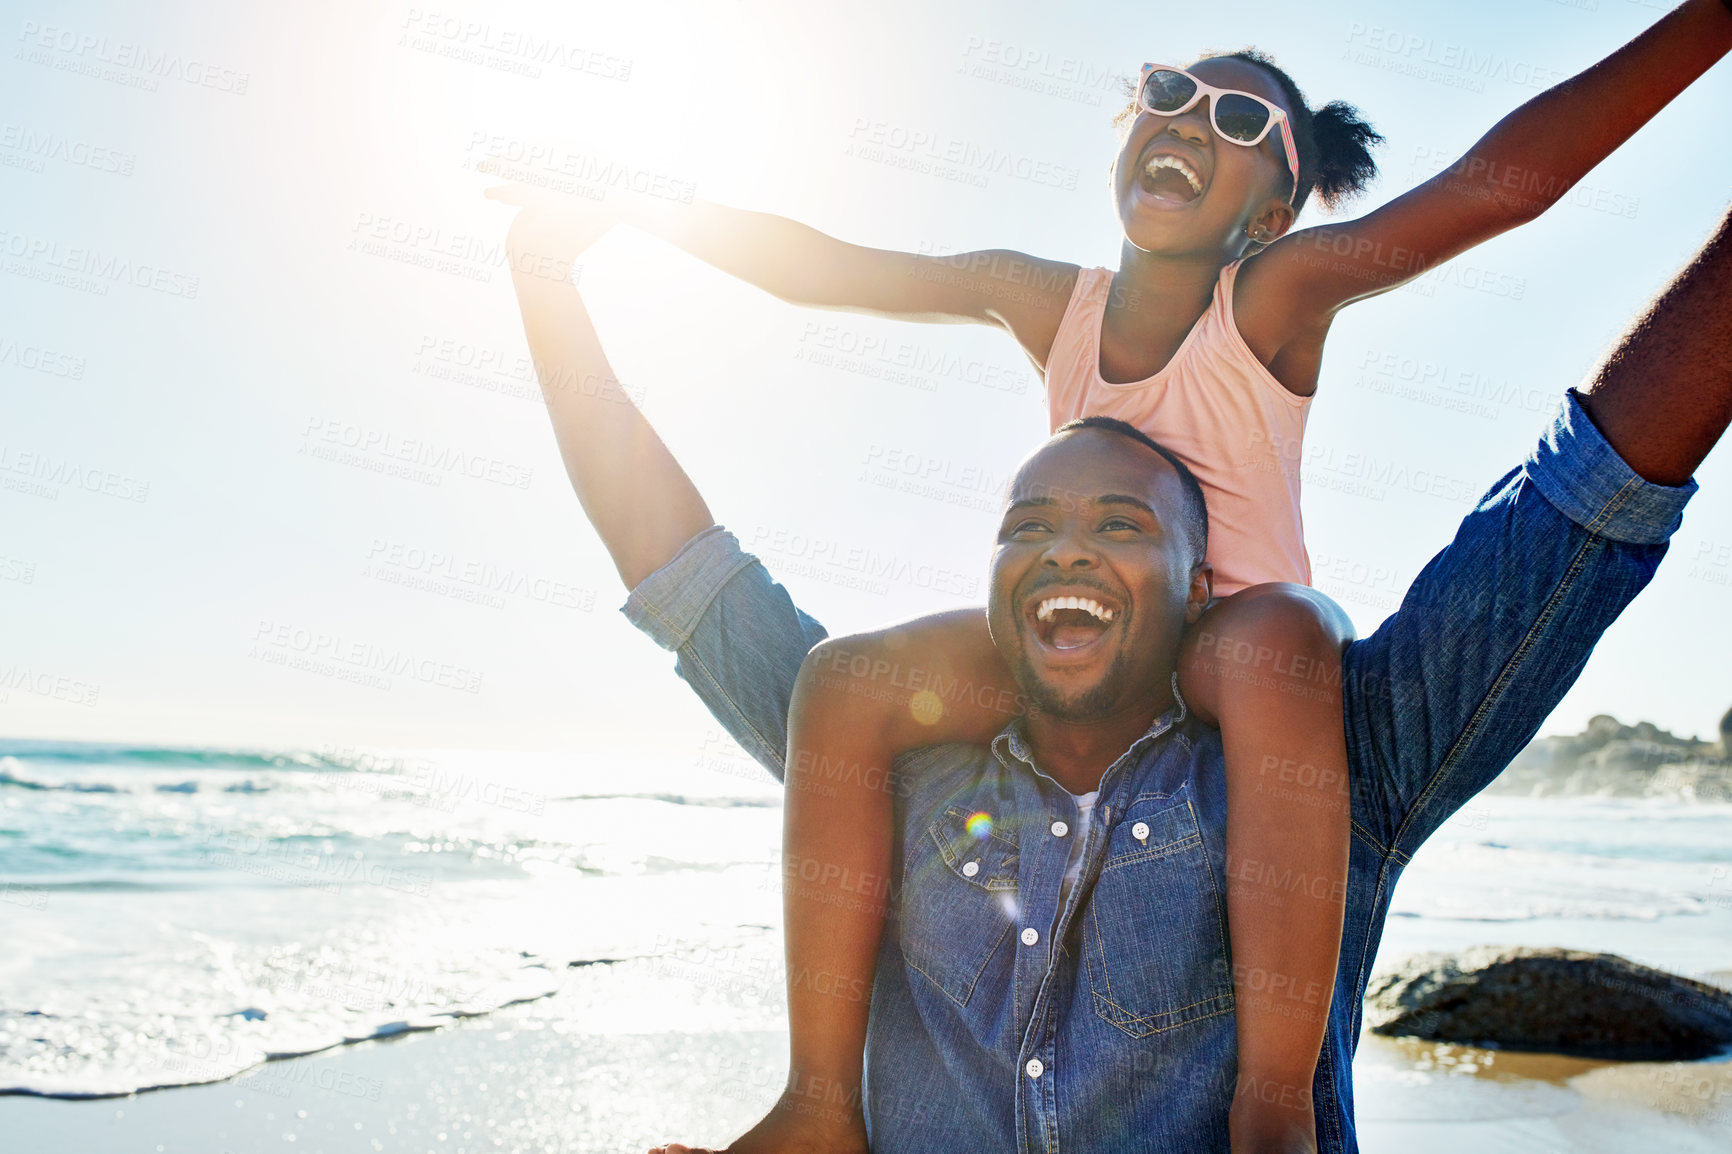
(263, 239)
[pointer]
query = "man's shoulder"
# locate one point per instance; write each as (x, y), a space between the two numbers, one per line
(922, 768)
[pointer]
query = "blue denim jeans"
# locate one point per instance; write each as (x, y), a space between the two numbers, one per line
(1008, 1015)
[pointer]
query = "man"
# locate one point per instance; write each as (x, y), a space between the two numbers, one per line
(1021, 1004)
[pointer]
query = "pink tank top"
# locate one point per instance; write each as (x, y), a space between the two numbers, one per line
(1219, 410)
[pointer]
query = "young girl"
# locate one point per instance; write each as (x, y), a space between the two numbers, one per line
(1209, 338)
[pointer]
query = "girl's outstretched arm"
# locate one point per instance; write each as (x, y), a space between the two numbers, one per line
(800, 265)
(1524, 165)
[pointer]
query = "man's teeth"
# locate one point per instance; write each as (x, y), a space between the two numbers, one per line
(1156, 163)
(1047, 608)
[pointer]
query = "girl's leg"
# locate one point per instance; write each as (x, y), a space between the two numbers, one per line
(852, 715)
(1265, 665)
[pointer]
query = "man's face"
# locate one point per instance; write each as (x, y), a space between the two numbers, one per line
(1093, 578)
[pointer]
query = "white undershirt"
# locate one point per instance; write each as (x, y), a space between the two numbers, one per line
(1085, 808)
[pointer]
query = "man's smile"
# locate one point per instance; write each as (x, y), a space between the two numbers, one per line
(1071, 619)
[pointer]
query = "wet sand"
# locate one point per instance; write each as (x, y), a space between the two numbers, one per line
(527, 1078)
(570, 1074)
(1422, 1097)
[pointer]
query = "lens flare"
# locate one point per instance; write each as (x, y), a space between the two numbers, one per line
(979, 824)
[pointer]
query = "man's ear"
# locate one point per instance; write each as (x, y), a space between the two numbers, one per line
(1202, 591)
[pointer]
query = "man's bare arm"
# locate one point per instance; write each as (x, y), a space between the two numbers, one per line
(636, 495)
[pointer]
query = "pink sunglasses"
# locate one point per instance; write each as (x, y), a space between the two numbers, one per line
(1238, 117)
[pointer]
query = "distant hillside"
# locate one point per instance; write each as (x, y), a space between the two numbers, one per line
(1610, 759)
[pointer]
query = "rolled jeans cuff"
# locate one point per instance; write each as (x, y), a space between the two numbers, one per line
(1579, 472)
(669, 603)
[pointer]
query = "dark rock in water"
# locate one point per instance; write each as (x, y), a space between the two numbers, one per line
(1553, 1001)
(1726, 736)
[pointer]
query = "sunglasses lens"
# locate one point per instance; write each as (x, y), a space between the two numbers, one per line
(1240, 117)
(1167, 91)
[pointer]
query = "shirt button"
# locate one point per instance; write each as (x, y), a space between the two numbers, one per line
(1140, 831)
(1029, 937)
(970, 869)
(1059, 829)
(1034, 1068)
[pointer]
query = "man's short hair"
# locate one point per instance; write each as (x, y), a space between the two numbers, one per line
(1196, 508)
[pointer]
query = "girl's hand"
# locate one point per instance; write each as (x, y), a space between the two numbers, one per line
(551, 228)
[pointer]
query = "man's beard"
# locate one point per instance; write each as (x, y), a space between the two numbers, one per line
(1091, 705)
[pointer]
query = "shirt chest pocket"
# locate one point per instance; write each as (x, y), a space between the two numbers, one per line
(958, 898)
(1155, 938)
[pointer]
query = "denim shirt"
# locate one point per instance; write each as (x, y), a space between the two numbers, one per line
(1000, 1022)
(1003, 1021)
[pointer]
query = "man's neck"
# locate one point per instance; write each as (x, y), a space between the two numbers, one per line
(1076, 753)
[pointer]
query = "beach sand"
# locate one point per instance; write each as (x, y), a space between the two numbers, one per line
(560, 1074)
(1421, 1097)
(621, 1057)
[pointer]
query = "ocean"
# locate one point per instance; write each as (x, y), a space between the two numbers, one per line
(178, 916)
(174, 917)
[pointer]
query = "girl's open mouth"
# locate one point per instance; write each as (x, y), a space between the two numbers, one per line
(1170, 178)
